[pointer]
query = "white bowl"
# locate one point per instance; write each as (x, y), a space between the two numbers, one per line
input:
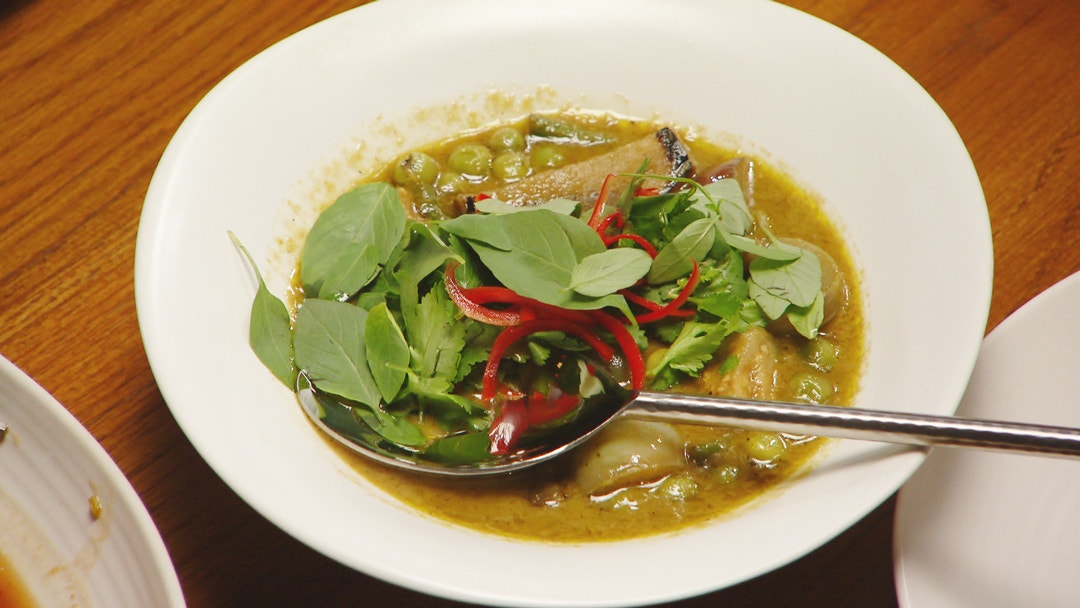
(839, 116)
(50, 467)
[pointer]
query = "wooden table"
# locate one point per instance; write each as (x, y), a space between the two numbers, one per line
(91, 92)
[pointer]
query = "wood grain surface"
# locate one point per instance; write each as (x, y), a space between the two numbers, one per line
(91, 92)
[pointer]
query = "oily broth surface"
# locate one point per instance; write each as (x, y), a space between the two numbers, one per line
(515, 505)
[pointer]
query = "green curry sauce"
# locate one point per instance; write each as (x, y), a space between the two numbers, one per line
(701, 330)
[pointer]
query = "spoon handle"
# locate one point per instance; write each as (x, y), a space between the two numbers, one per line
(855, 423)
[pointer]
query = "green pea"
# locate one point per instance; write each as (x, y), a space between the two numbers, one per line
(510, 165)
(727, 474)
(450, 182)
(416, 167)
(679, 487)
(471, 160)
(765, 447)
(821, 353)
(812, 387)
(702, 453)
(546, 157)
(507, 139)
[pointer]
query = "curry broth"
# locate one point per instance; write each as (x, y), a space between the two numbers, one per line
(535, 505)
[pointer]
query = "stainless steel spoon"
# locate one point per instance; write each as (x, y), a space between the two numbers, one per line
(819, 420)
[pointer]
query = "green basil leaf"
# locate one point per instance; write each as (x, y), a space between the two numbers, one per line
(798, 281)
(735, 216)
(395, 429)
(543, 250)
(270, 330)
(606, 272)
(341, 418)
(486, 229)
(675, 260)
(772, 305)
(462, 448)
(807, 320)
(335, 248)
(779, 252)
(387, 352)
(329, 344)
(353, 267)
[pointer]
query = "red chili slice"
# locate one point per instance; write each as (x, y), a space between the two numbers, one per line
(634, 359)
(545, 408)
(637, 238)
(510, 335)
(679, 300)
(601, 201)
(508, 426)
(475, 309)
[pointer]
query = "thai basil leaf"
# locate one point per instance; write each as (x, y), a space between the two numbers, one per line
(486, 229)
(676, 258)
(777, 251)
(329, 344)
(731, 206)
(798, 281)
(461, 448)
(387, 351)
(542, 249)
(342, 419)
(807, 320)
(335, 254)
(606, 272)
(396, 429)
(772, 305)
(270, 331)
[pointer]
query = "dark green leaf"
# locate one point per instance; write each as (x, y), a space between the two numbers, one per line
(335, 253)
(329, 343)
(463, 448)
(807, 320)
(394, 428)
(270, 331)
(798, 281)
(675, 259)
(606, 272)
(387, 352)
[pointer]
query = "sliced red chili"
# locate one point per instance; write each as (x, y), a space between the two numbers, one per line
(508, 426)
(637, 238)
(502, 295)
(634, 359)
(601, 202)
(510, 335)
(674, 305)
(475, 309)
(643, 302)
(545, 408)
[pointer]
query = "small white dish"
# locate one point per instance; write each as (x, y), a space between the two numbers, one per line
(51, 467)
(276, 137)
(986, 530)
